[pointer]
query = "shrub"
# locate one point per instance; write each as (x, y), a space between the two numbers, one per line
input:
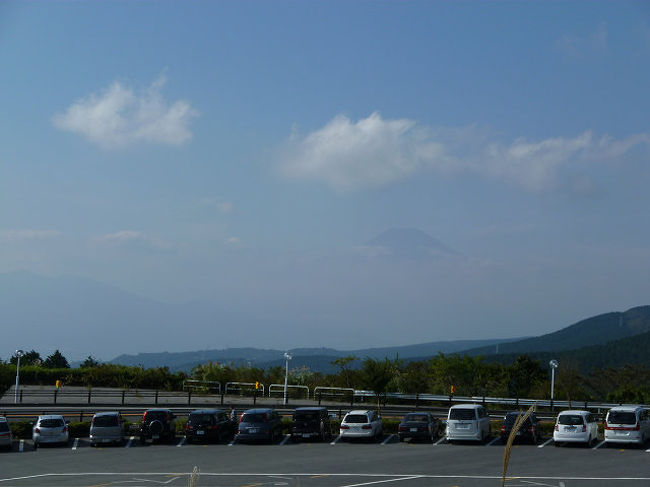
(79, 429)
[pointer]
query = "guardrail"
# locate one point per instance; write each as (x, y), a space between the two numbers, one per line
(289, 387)
(235, 387)
(202, 385)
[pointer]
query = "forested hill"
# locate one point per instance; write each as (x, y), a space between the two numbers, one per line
(591, 331)
(633, 350)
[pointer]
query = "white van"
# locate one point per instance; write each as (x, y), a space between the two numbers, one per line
(627, 424)
(467, 422)
(575, 426)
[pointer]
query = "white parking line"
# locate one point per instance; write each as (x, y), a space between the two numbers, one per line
(286, 438)
(182, 442)
(545, 443)
(442, 438)
(128, 443)
(647, 451)
(383, 481)
(390, 437)
(336, 440)
(599, 445)
(75, 444)
(21, 446)
(234, 440)
(493, 441)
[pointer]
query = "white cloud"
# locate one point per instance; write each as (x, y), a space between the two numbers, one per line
(375, 152)
(117, 117)
(134, 239)
(583, 45)
(19, 235)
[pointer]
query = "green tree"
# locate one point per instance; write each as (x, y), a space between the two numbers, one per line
(342, 363)
(56, 361)
(89, 362)
(28, 358)
(377, 374)
(523, 374)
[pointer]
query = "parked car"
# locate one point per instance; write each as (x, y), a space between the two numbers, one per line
(361, 424)
(529, 431)
(418, 426)
(467, 422)
(107, 427)
(262, 424)
(6, 438)
(575, 426)
(627, 424)
(158, 425)
(209, 425)
(50, 429)
(311, 422)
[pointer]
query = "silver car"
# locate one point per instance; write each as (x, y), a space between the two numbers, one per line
(107, 427)
(50, 428)
(6, 439)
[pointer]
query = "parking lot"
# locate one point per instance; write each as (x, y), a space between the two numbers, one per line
(330, 464)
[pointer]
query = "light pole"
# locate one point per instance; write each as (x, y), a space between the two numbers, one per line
(287, 357)
(19, 353)
(553, 364)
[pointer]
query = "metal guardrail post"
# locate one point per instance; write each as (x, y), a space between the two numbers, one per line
(21, 396)
(56, 392)
(123, 394)
(222, 398)
(254, 397)
(89, 393)
(81, 416)
(156, 400)
(320, 396)
(189, 397)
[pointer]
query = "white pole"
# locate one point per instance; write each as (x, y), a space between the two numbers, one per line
(18, 354)
(286, 376)
(553, 364)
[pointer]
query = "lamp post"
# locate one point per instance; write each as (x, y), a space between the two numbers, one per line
(553, 364)
(19, 353)
(287, 357)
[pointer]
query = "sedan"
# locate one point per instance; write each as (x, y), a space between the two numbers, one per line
(418, 426)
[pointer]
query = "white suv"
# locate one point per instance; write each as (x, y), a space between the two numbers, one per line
(627, 424)
(361, 424)
(467, 422)
(575, 427)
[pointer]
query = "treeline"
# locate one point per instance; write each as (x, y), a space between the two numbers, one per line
(443, 374)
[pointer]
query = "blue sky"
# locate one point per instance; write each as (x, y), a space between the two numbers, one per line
(241, 153)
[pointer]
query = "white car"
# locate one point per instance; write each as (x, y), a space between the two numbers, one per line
(627, 424)
(50, 428)
(467, 422)
(6, 439)
(361, 424)
(575, 426)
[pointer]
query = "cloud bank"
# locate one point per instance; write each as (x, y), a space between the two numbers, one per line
(375, 151)
(118, 117)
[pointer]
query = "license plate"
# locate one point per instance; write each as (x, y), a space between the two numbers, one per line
(414, 430)
(106, 440)
(200, 432)
(569, 428)
(155, 437)
(306, 435)
(252, 430)
(463, 426)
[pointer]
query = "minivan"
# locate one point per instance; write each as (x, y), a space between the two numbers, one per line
(575, 426)
(107, 427)
(627, 424)
(467, 422)
(259, 424)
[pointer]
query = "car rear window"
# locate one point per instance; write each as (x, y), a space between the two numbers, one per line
(4, 427)
(254, 418)
(463, 414)
(416, 417)
(570, 419)
(153, 415)
(105, 421)
(356, 418)
(511, 418)
(306, 416)
(199, 418)
(51, 423)
(621, 417)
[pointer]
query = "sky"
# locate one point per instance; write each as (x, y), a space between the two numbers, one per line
(243, 154)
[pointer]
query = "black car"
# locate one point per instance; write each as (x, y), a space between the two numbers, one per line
(419, 426)
(262, 424)
(311, 422)
(158, 425)
(529, 431)
(209, 425)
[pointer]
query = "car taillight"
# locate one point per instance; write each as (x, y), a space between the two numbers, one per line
(344, 427)
(503, 428)
(65, 428)
(238, 432)
(37, 430)
(213, 427)
(188, 426)
(94, 420)
(557, 427)
(584, 428)
(402, 428)
(366, 427)
(531, 429)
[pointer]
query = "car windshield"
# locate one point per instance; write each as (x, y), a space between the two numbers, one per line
(306, 416)
(105, 421)
(356, 418)
(621, 417)
(571, 419)
(4, 427)
(423, 418)
(51, 423)
(465, 414)
(199, 418)
(254, 418)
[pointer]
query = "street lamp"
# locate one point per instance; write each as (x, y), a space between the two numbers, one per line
(553, 364)
(287, 357)
(19, 353)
